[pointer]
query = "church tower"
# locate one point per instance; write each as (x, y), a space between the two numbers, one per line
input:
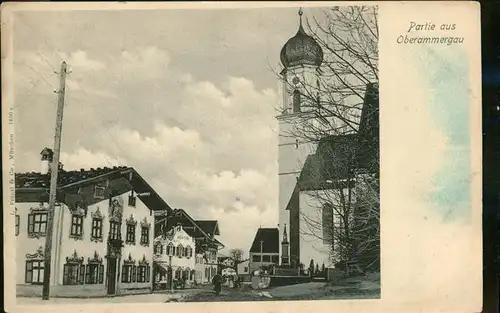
(301, 57)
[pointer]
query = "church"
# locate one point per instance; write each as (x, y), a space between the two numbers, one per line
(312, 170)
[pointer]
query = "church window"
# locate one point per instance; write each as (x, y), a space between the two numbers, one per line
(327, 223)
(296, 101)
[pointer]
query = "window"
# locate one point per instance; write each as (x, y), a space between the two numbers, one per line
(129, 273)
(37, 224)
(170, 249)
(274, 259)
(96, 229)
(76, 226)
(114, 230)
(188, 252)
(255, 258)
(144, 235)
(73, 273)
(131, 200)
(180, 251)
(245, 269)
(130, 234)
(143, 273)
(95, 273)
(17, 225)
(34, 272)
(296, 101)
(327, 223)
(266, 258)
(99, 192)
(158, 248)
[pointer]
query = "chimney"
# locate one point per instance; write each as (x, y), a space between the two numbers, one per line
(46, 158)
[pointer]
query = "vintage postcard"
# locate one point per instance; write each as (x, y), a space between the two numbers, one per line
(250, 157)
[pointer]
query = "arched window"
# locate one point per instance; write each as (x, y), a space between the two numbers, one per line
(170, 249)
(158, 248)
(327, 224)
(296, 101)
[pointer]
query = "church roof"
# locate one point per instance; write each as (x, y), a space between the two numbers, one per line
(301, 49)
(337, 157)
(269, 238)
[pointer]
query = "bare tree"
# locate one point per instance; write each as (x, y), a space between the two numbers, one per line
(345, 186)
(236, 256)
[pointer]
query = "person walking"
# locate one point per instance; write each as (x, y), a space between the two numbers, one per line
(217, 282)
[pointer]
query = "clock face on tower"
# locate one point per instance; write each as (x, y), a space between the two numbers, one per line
(295, 80)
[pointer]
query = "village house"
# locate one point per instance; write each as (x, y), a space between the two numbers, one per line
(206, 244)
(264, 251)
(312, 171)
(243, 268)
(174, 251)
(102, 234)
(226, 265)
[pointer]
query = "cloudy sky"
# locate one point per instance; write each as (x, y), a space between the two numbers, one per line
(186, 97)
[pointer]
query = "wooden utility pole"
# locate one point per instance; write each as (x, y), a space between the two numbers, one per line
(54, 171)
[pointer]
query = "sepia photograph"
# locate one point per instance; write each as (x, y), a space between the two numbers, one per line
(163, 160)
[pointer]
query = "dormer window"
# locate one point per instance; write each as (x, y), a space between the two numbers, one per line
(99, 192)
(131, 200)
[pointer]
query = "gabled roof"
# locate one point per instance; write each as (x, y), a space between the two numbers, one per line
(209, 227)
(190, 226)
(269, 238)
(34, 187)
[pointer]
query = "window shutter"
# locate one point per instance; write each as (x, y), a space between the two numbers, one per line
(134, 270)
(124, 274)
(148, 268)
(101, 274)
(87, 276)
(31, 223)
(28, 277)
(65, 274)
(81, 280)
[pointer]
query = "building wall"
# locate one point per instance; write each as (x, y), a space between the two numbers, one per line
(199, 267)
(252, 265)
(64, 246)
(291, 159)
(180, 237)
(244, 268)
(312, 247)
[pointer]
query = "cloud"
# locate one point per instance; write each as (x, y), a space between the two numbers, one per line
(210, 148)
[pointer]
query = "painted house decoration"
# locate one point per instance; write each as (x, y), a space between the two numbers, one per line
(102, 234)
(306, 167)
(174, 252)
(264, 251)
(206, 244)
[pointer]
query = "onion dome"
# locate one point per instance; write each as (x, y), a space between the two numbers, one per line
(301, 49)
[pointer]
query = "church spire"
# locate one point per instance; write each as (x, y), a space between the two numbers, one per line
(301, 29)
(285, 236)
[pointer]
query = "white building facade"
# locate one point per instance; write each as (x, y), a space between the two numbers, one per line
(102, 234)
